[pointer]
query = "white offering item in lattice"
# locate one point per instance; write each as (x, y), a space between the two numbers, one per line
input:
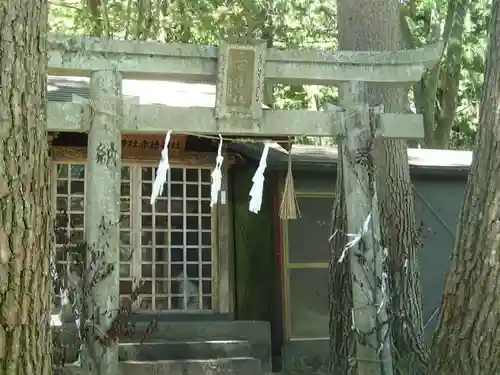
(191, 293)
(161, 173)
(258, 181)
(217, 175)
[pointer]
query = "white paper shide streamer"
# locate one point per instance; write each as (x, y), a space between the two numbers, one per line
(258, 182)
(161, 173)
(217, 175)
(354, 237)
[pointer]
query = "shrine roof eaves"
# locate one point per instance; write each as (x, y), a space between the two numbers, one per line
(311, 157)
(175, 94)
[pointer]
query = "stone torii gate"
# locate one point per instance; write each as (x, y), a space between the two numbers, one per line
(240, 72)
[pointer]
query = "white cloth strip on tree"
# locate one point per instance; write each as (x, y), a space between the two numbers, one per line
(355, 238)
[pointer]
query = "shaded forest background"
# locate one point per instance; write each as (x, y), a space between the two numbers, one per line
(448, 96)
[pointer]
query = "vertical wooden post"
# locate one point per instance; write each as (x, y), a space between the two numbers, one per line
(225, 253)
(102, 214)
(373, 349)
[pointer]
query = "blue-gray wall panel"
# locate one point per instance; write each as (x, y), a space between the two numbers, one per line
(437, 204)
(313, 182)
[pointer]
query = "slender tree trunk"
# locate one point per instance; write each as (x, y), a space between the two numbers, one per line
(467, 339)
(438, 119)
(374, 25)
(451, 74)
(25, 214)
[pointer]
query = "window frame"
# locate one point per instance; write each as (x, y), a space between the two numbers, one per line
(288, 265)
(222, 286)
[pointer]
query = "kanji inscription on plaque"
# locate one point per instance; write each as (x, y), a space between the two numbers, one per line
(240, 85)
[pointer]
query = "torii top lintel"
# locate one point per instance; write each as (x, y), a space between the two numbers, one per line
(78, 56)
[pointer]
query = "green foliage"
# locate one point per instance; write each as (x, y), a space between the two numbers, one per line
(471, 82)
(296, 23)
(471, 77)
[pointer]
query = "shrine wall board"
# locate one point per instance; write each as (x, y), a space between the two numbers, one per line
(146, 148)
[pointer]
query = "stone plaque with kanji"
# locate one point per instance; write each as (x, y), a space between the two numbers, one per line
(240, 86)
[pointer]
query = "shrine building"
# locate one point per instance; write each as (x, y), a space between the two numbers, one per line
(250, 277)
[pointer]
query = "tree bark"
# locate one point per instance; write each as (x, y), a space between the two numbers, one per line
(374, 25)
(25, 213)
(466, 341)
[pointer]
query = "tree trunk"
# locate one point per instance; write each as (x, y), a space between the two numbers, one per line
(374, 25)
(25, 213)
(466, 341)
(451, 75)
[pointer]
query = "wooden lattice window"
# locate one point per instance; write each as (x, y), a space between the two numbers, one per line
(176, 241)
(69, 194)
(166, 247)
(127, 252)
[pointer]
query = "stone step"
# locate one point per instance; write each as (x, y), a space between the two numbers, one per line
(222, 366)
(171, 350)
(175, 350)
(254, 331)
(186, 350)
